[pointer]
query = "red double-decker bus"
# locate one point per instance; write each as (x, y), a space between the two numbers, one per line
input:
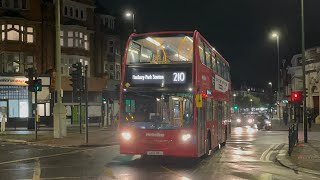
(174, 95)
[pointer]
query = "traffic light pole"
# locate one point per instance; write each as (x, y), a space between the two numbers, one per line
(36, 113)
(305, 128)
(86, 91)
(80, 104)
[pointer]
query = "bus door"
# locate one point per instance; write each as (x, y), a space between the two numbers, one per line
(220, 117)
(201, 128)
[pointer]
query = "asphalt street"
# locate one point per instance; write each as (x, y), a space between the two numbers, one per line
(249, 154)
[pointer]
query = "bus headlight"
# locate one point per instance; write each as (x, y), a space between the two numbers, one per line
(126, 135)
(238, 120)
(186, 137)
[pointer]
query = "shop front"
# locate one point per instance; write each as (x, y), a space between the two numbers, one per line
(14, 100)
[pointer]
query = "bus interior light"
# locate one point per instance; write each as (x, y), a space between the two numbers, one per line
(189, 38)
(153, 41)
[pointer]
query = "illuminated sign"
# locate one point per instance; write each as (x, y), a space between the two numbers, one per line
(162, 78)
(13, 81)
(221, 84)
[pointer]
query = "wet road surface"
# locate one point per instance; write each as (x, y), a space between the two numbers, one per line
(249, 154)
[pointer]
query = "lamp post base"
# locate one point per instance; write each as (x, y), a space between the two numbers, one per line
(59, 121)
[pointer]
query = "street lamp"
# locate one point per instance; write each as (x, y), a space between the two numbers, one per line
(128, 15)
(276, 35)
(251, 103)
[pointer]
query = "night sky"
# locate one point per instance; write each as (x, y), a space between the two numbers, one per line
(238, 29)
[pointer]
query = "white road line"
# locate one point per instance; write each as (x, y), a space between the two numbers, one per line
(47, 156)
(263, 156)
(271, 152)
(37, 170)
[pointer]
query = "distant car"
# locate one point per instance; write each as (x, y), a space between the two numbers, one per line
(263, 122)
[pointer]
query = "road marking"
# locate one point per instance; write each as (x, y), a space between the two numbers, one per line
(266, 176)
(108, 172)
(47, 156)
(176, 173)
(37, 170)
(265, 153)
(271, 152)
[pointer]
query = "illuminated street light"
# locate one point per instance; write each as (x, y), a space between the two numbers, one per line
(276, 35)
(128, 15)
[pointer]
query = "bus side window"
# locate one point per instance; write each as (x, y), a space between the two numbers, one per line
(201, 52)
(213, 60)
(218, 66)
(208, 56)
(224, 70)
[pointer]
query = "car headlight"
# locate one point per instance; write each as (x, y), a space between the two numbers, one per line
(238, 120)
(186, 137)
(126, 135)
(268, 122)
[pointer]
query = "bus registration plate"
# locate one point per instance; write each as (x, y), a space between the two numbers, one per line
(155, 153)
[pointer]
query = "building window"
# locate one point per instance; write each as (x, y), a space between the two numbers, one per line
(74, 12)
(29, 35)
(24, 4)
(15, 62)
(68, 60)
(86, 42)
(81, 14)
(118, 72)
(77, 13)
(65, 10)
(61, 39)
(13, 4)
(111, 47)
(71, 12)
(17, 33)
(70, 38)
(76, 39)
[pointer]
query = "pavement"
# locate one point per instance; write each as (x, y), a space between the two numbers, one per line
(96, 137)
(305, 156)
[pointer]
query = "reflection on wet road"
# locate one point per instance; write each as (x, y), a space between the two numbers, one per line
(248, 154)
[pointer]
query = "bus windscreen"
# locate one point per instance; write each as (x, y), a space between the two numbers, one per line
(164, 49)
(158, 110)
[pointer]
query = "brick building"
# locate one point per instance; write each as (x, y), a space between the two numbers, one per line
(27, 39)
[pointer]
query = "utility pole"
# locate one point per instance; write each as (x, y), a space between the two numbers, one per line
(36, 111)
(305, 128)
(59, 111)
(86, 91)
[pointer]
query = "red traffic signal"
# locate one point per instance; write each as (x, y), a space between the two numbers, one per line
(296, 96)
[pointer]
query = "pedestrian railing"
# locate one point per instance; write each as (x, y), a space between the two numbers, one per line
(293, 137)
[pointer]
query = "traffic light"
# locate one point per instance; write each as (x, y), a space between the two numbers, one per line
(76, 78)
(37, 85)
(296, 96)
(235, 107)
(30, 75)
(110, 100)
